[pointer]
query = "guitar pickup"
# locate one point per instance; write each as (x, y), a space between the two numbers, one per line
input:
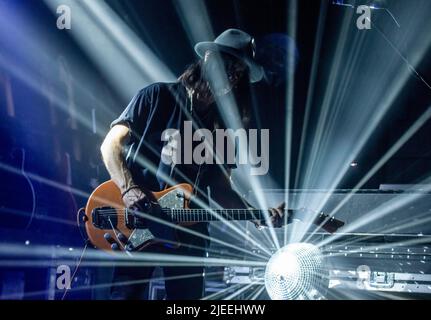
(133, 221)
(104, 218)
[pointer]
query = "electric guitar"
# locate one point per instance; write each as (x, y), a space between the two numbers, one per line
(106, 218)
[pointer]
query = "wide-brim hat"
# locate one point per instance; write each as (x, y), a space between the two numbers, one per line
(237, 43)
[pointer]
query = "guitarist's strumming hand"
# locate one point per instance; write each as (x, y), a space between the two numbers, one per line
(135, 198)
(276, 217)
(141, 200)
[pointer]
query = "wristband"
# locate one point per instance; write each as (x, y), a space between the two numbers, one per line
(128, 189)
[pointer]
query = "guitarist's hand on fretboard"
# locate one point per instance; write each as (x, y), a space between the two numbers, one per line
(276, 217)
(323, 221)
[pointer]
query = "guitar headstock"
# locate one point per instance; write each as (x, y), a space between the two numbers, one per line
(324, 221)
(327, 223)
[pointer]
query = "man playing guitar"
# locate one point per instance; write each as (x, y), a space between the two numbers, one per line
(133, 151)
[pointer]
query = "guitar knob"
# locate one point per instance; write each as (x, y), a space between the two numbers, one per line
(129, 247)
(115, 247)
(122, 238)
(109, 238)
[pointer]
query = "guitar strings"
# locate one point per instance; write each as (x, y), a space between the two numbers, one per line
(191, 210)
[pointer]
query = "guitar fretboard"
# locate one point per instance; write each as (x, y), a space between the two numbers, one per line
(203, 215)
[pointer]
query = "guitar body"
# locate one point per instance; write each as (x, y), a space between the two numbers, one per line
(108, 195)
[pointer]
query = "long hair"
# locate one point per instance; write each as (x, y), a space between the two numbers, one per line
(194, 78)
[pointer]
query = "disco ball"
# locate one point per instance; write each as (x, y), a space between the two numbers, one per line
(296, 272)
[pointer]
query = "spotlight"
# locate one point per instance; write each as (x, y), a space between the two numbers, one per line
(296, 272)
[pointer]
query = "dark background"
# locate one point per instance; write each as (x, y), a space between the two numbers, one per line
(51, 136)
(158, 25)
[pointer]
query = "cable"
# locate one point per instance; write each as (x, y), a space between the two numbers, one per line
(389, 12)
(76, 270)
(78, 223)
(409, 65)
(335, 2)
(86, 243)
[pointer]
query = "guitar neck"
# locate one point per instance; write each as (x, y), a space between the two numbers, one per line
(203, 215)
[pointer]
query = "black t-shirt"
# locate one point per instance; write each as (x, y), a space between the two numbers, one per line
(152, 110)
